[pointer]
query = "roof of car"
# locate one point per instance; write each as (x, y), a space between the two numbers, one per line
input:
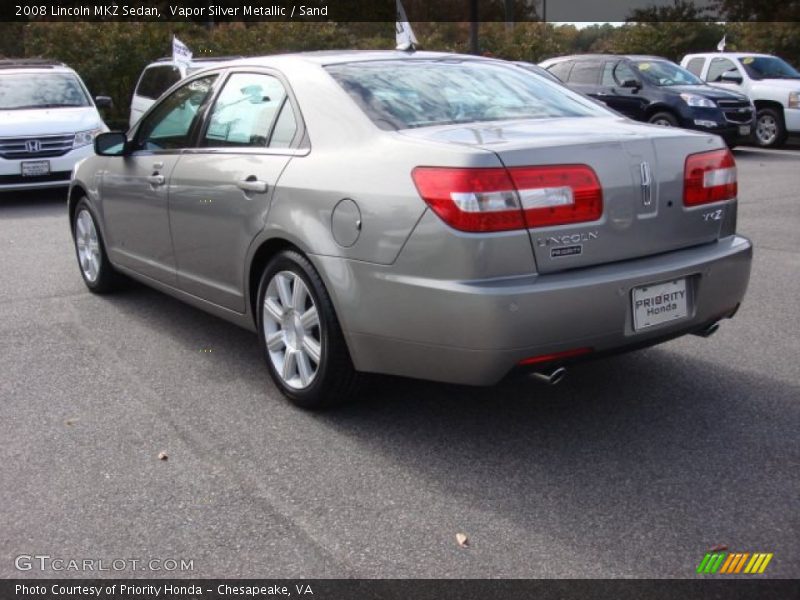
(728, 54)
(599, 56)
(331, 57)
(33, 64)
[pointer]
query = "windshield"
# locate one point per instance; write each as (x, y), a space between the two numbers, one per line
(40, 90)
(768, 67)
(420, 93)
(664, 73)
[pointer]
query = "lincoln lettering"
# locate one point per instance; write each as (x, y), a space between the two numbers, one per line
(663, 303)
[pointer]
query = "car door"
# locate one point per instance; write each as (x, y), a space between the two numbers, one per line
(220, 190)
(134, 187)
(627, 100)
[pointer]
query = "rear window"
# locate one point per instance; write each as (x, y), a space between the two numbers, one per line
(420, 93)
(157, 80)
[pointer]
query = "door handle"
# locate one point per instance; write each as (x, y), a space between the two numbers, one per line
(251, 184)
(156, 179)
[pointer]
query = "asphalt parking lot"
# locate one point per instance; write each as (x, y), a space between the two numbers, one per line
(634, 466)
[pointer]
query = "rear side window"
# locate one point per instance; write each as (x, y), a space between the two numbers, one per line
(561, 70)
(718, 67)
(584, 72)
(157, 80)
(420, 93)
(245, 111)
(695, 65)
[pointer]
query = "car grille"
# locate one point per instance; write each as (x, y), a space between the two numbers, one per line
(736, 111)
(42, 146)
(50, 177)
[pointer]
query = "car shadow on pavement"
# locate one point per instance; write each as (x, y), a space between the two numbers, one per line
(658, 448)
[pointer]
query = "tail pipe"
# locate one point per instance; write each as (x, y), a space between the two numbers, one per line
(553, 377)
(708, 331)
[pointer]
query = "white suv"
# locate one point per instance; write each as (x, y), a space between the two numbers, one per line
(772, 85)
(48, 122)
(159, 76)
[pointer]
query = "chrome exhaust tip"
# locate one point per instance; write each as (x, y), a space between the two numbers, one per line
(708, 331)
(554, 377)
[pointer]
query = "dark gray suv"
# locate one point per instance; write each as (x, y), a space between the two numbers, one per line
(655, 90)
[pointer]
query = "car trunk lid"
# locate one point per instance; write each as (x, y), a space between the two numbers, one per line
(640, 169)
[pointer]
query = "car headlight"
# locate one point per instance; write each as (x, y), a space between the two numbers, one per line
(695, 100)
(84, 138)
(794, 99)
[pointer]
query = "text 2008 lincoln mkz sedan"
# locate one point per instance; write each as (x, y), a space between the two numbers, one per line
(428, 215)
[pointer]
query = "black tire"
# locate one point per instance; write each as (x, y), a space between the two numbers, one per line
(106, 278)
(770, 128)
(335, 380)
(665, 119)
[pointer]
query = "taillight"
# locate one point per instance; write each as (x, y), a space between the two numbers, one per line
(709, 177)
(471, 199)
(558, 195)
(498, 199)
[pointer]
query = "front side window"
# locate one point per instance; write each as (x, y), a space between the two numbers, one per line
(40, 90)
(419, 93)
(245, 111)
(623, 72)
(719, 66)
(169, 125)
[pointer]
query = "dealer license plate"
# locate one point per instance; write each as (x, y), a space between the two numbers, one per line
(35, 168)
(744, 130)
(659, 303)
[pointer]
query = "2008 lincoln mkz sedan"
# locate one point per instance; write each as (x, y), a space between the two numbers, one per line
(429, 215)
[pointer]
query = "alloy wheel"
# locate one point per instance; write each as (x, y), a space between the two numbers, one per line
(766, 129)
(88, 245)
(292, 330)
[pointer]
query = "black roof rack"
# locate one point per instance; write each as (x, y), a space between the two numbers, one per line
(36, 63)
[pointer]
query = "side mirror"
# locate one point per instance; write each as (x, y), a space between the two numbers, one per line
(731, 77)
(112, 143)
(631, 83)
(103, 102)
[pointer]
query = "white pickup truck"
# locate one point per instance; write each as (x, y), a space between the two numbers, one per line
(771, 83)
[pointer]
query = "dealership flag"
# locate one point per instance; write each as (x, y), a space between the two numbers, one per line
(181, 55)
(721, 45)
(404, 35)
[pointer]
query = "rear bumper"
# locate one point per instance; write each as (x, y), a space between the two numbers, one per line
(475, 332)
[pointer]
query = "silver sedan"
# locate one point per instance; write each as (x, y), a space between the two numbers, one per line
(429, 215)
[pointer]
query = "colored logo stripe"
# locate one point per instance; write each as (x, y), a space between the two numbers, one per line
(734, 562)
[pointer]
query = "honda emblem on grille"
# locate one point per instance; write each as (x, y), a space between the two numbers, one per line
(647, 194)
(33, 145)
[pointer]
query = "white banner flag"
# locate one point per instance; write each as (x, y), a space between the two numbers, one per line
(721, 45)
(404, 35)
(181, 55)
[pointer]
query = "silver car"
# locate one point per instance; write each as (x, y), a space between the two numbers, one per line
(428, 215)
